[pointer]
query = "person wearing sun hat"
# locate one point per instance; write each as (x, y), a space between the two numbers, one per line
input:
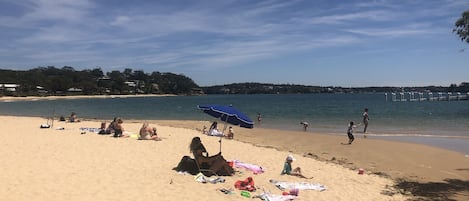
(287, 168)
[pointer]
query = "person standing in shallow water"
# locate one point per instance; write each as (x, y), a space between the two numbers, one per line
(350, 133)
(305, 125)
(259, 118)
(366, 119)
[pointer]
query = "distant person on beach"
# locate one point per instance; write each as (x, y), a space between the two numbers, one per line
(305, 125)
(73, 118)
(204, 130)
(287, 168)
(366, 119)
(148, 133)
(350, 132)
(213, 130)
(119, 129)
(230, 134)
(112, 126)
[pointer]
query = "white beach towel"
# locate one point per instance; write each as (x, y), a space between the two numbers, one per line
(282, 185)
(93, 130)
(215, 132)
(273, 197)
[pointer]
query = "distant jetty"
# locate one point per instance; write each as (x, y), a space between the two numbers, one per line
(426, 96)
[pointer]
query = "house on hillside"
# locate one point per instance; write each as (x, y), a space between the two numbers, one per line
(75, 91)
(9, 89)
(41, 91)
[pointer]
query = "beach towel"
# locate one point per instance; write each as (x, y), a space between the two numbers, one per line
(93, 130)
(254, 168)
(273, 197)
(247, 184)
(282, 185)
(201, 178)
(215, 132)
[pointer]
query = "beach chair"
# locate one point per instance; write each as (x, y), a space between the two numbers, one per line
(190, 165)
(221, 165)
(204, 170)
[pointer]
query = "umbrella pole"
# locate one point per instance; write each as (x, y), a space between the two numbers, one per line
(220, 143)
(224, 128)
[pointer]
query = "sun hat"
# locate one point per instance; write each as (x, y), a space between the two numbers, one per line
(290, 158)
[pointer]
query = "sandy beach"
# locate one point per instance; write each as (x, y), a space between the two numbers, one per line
(53, 164)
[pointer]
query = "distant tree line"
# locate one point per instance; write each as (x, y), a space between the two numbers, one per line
(262, 88)
(68, 81)
(44, 81)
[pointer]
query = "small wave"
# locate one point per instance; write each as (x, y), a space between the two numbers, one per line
(417, 135)
(405, 135)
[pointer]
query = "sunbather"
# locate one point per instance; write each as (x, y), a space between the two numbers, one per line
(119, 130)
(73, 118)
(148, 133)
(213, 131)
(230, 134)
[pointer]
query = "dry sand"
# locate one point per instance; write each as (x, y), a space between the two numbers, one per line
(50, 164)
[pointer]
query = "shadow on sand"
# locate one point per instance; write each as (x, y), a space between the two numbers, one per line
(450, 190)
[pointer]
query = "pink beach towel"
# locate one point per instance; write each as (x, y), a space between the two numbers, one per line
(254, 168)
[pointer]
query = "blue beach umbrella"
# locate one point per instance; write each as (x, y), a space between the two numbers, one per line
(227, 114)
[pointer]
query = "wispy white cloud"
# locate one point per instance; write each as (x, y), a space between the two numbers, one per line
(391, 32)
(204, 36)
(63, 10)
(350, 17)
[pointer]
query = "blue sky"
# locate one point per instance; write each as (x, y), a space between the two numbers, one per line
(312, 42)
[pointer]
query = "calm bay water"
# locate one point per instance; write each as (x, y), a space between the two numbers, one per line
(434, 123)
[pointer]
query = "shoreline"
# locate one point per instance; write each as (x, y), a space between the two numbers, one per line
(452, 143)
(422, 167)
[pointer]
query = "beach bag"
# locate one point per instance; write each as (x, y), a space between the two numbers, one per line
(247, 184)
(44, 126)
(187, 164)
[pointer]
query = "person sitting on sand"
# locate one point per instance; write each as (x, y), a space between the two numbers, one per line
(230, 134)
(110, 129)
(148, 133)
(73, 118)
(213, 130)
(287, 168)
(204, 130)
(118, 129)
(215, 163)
